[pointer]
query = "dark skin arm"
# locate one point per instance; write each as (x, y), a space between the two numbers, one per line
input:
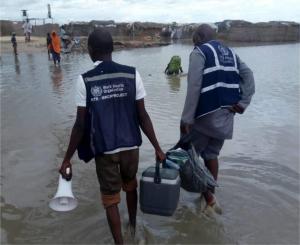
(237, 109)
(167, 68)
(185, 128)
(76, 135)
(78, 131)
(147, 127)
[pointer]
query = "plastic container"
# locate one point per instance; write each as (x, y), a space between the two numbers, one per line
(159, 191)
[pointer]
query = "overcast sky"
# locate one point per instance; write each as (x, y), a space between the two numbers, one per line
(182, 11)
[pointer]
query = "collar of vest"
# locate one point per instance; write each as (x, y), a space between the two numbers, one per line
(98, 62)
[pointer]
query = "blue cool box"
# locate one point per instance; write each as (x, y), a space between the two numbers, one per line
(159, 198)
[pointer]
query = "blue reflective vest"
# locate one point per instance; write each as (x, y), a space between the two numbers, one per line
(220, 84)
(111, 119)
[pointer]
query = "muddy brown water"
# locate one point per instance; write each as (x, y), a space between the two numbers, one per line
(259, 168)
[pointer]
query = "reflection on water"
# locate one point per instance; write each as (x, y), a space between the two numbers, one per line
(17, 65)
(174, 82)
(57, 78)
(259, 171)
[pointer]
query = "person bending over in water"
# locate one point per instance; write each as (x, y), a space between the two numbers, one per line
(110, 113)
(219, 85)
(174, 66)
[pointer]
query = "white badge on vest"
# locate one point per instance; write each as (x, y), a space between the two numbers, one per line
(64, 199)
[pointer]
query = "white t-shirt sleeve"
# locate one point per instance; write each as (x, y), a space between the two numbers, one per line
(140, 90)
(80, 92)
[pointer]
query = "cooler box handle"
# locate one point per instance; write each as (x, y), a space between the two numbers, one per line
(157, 178)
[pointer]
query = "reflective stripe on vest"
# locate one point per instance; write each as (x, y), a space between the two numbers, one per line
(220, 83)
(109, 76)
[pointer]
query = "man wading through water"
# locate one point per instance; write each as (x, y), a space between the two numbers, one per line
(110, 112)
(219, 85)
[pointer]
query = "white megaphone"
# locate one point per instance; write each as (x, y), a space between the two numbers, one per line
(64, 199)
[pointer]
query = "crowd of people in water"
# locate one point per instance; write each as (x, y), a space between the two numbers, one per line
(56, 42)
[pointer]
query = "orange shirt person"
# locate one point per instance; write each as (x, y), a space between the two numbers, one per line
(55, 47)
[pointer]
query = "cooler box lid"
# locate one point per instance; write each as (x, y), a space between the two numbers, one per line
(168, 176)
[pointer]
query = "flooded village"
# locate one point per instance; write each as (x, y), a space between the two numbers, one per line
(148, 34)
(256, 181)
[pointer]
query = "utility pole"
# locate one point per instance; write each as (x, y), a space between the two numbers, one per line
(133, 30)
(24, 14)
(49, 11)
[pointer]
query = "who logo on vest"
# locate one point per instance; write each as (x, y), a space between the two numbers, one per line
(220, 83)
(223, 50)
(96, 91)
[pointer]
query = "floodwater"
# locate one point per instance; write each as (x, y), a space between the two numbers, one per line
(259, 168)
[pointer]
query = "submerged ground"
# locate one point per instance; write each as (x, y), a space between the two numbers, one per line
(259, 169)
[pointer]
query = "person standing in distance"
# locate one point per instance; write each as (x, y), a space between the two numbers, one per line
(219, 86)
(27, 26)
(55, 48)
(110, 113)
(14, 42)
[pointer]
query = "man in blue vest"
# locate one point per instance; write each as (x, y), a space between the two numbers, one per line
(110, 113)
(219, 85)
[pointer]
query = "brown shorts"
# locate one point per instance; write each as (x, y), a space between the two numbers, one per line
(116, 171)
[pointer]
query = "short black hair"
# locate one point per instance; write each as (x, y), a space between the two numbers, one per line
(203, 34)
(100, 41)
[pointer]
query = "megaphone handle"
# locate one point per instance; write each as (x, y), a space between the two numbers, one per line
(68, 175)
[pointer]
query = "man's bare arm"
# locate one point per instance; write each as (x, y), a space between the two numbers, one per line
(147, 127)
(76, 136)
